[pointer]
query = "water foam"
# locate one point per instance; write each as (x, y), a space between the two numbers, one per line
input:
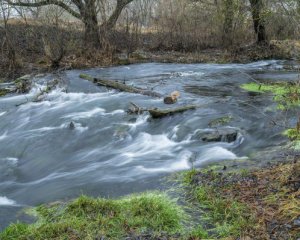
(181, 163)
(4, 201)
(215, 154)
(87, 114)
(3, 136)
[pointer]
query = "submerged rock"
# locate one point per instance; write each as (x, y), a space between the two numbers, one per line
(71, 125)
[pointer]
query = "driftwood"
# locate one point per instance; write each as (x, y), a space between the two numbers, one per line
(159, 113)
(40, 96)
(135, 109)
(120, 86)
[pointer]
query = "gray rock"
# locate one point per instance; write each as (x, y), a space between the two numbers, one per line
(297, 222)
(221, 135)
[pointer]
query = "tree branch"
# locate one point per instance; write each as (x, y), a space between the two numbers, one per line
(45, 3)
(111, 22)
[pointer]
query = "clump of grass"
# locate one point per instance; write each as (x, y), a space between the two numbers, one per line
(89, 218)
(286, 95)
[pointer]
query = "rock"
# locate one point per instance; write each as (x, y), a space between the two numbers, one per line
(297, 222)
(220, 135)
(172, 98)
(71, 125)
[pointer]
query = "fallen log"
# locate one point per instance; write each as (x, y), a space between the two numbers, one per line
(159, 113)
(120, 86)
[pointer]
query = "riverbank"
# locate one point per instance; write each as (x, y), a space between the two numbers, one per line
(248, 204)
(30, 56)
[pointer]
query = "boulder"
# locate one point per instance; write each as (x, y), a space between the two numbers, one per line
(219, 135)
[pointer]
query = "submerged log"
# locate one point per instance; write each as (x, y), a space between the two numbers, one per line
(120, 86)
(159, 113)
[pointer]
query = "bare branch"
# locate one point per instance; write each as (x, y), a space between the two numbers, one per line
(45, 3)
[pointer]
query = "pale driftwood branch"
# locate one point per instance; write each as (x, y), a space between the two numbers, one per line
(120, 86)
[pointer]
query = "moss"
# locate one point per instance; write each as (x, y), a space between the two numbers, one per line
(220, 121)
(3, 92)
(292, 134)
(285, 94)
(89, 218)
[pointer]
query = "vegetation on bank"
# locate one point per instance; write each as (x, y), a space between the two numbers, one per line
(257, 204)
(260, 204)
(287, 95)
(89, 218)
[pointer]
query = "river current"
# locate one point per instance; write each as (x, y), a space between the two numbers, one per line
(110, 153)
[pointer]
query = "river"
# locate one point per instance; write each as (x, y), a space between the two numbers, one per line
(110, 153)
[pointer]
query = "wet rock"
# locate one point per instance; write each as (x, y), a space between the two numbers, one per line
(297, 222)
(71, 125)
(221, 135)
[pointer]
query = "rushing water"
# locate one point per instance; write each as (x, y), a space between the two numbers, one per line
(111, 153)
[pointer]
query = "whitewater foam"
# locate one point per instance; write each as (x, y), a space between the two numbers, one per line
(87, 114)
(4, 201)
(215, 154)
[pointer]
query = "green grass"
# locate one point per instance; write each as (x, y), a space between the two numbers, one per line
(286, 95)
(89, 218)
(225, 216)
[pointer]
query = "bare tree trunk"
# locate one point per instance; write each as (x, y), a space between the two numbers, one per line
(89, 17)
(258, 22)
(228, 22)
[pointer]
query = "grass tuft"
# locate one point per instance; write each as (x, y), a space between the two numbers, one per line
(89, 218)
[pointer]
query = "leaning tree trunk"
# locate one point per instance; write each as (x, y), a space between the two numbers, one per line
(89, 18)
(258, 21)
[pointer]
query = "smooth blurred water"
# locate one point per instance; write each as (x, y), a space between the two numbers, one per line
(111, 153)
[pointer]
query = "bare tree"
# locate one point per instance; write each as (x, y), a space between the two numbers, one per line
(86, 11)
(258, 21)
